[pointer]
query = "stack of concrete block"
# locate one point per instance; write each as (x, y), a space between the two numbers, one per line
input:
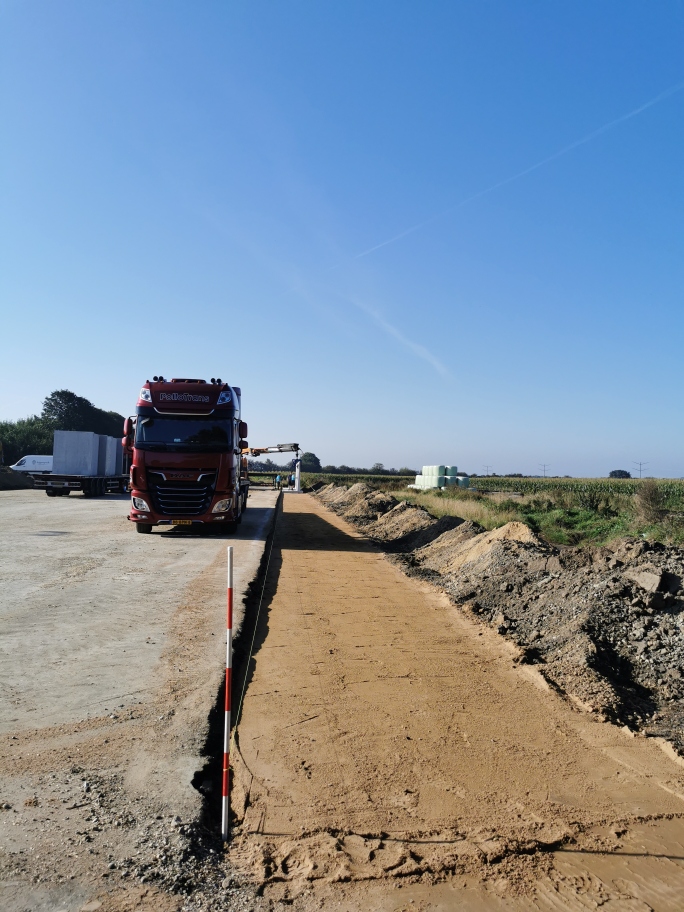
(85, 453)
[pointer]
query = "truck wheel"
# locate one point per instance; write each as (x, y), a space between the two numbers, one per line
(143, 527)
(50, 492)
(66, 491)
(87, 490)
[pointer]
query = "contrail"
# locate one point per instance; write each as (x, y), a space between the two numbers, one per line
(419, 350)
(540, 164)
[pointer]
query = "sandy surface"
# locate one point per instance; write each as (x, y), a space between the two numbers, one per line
(111, 655)
(390, 743)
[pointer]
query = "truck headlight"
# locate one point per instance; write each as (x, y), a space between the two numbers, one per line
(222, 506)
(140, 504)
(225, 396)
(145, 395)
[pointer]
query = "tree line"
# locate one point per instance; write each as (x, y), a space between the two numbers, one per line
(62, 411)
(311, 463)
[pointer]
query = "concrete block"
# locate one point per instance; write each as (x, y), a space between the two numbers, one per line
(75, 453)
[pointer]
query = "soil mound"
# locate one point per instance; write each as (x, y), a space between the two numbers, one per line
(413, 541)
(437, 554)
(469, 545)
(401, 521)
(366, 508)
(359, 503)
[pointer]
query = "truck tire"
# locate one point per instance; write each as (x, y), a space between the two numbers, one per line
(143, 527)
(87, 489)
(50, 492)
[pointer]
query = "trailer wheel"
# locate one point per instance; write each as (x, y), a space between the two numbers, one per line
(87, 490)
(143, 527)
(50, 492)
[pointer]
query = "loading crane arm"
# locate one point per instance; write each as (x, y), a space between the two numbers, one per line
(278, 448)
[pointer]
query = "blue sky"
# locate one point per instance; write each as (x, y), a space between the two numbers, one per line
(192, 189)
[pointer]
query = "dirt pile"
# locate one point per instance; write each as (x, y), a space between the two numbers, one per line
(605, 626)
(391, 520)
(12, 481)
(359, 503)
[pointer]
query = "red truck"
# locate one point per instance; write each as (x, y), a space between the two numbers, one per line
(185, 443)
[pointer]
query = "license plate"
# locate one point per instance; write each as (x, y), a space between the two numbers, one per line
(181, 522)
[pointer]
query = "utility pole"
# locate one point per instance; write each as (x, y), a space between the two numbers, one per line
(487, 468)
(640, 466)
(544, 466)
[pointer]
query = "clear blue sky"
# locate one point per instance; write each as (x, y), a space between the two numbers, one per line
(187, 189)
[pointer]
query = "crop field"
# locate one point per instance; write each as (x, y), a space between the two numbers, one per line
(384, 482)
(670, 487)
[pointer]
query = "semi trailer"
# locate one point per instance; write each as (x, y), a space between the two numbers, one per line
(186, 443)
(83, 461)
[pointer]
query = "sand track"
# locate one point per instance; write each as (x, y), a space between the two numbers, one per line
(389, 740)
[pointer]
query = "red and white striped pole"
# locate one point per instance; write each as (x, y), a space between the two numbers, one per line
(225, 810)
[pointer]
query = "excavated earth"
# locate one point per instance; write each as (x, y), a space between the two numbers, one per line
(605, 626)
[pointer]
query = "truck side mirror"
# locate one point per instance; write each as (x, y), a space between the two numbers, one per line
(243, 445)
(128, 427)
(242, 429)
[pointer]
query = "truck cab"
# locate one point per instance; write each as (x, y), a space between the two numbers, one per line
(185, 442)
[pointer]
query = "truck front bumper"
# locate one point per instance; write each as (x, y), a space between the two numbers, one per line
(152, 518)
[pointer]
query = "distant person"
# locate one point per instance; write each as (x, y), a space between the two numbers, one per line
(292, 481)
(278, 482)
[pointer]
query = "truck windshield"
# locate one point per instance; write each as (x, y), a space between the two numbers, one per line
(184, 433)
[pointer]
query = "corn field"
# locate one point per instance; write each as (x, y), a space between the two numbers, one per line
(670, 488)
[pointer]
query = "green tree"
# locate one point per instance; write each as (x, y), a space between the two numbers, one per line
(620, 473)
(310, 462)
(28, 435)
(65, 411)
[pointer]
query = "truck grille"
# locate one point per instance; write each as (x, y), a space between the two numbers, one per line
(180, 498)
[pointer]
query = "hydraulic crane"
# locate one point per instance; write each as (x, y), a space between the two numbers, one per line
(280, 448)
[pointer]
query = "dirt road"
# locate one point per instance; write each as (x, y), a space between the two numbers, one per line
(111, 654)
(388, 743)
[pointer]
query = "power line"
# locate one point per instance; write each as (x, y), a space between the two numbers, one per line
(487, 468)
(640, 466)
(544, 466)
